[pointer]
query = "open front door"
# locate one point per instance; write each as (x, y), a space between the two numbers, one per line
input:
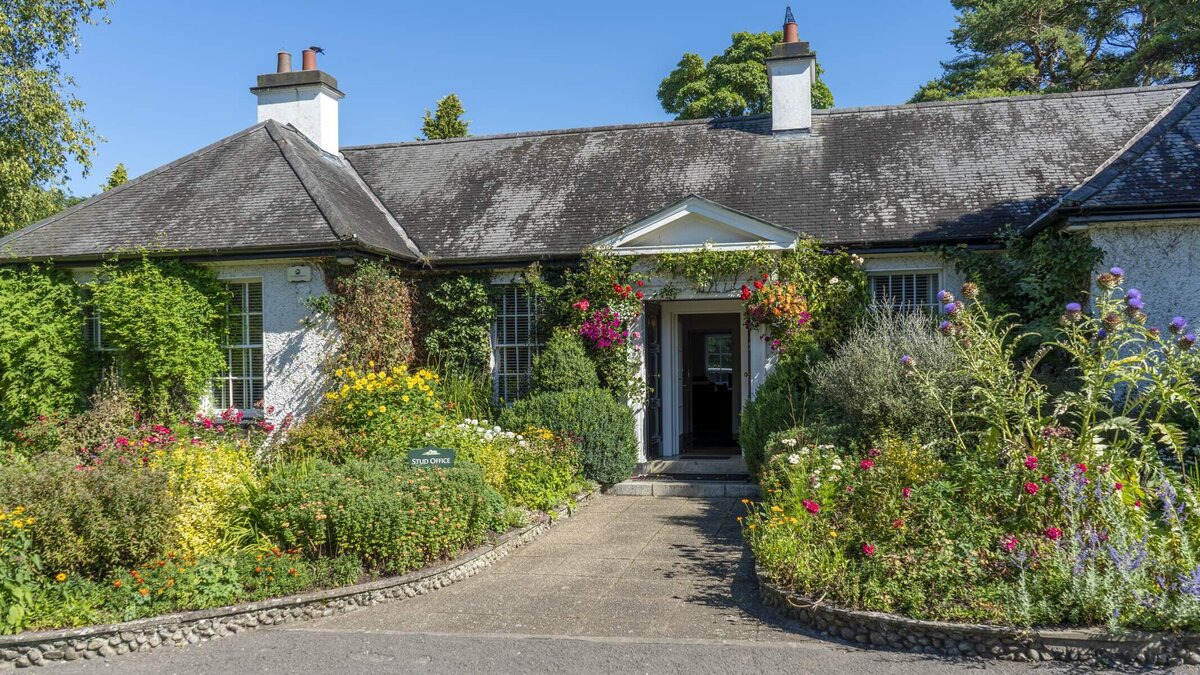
(654, 398)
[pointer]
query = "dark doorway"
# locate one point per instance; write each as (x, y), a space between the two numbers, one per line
(711, 347)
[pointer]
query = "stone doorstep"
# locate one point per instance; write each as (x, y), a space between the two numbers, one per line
(105, 641)
(698, 465)
(876, 629)
(683, 488)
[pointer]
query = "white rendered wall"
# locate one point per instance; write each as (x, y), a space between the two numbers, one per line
(312, 109)
(296, 344)
(791, 93)
(1160, 258)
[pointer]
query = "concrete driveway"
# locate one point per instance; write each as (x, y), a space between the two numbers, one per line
(638, 584)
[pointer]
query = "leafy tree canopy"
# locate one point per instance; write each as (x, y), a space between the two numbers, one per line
(119, 176)
(447, 121)
(731, 84)
(1009, 47)
(42, 128)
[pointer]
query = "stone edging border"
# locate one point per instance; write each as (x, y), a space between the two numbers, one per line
(1093, 646)
(104, 641)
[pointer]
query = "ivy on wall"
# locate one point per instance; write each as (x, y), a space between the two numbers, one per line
(165, 320)
(43, 358)
(456, 318)
(1034, 277)
(372, 306)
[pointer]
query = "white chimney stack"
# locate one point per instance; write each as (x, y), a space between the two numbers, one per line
(792, 67)
(306, 99)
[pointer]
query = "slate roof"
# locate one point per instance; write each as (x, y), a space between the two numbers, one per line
(267, 188)
(876, 177)
(893, 176)
(1157, 170)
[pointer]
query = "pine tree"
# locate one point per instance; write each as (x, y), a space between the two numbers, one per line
(447, 121)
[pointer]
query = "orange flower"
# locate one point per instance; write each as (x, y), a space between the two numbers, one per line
(144, 591)
(116, 583)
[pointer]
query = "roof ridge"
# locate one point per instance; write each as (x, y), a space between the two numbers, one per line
(387, 214)
(1133, 149)
(95, 199)
(311, 184)
(720, 121)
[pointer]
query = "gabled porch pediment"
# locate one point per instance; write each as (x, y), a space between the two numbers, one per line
(691, 224)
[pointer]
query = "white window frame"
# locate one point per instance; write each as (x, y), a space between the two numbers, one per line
(935, 286)
(504, 340)
(225, 382)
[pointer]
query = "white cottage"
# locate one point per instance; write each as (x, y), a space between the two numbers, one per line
(269, 205)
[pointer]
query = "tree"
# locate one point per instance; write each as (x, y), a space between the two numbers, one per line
(447, 121)
(118, 177)
(1009, 47)
(731, 84)
(42, 128)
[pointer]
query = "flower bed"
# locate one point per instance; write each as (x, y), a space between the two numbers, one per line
(1019, 506)
(108, 517)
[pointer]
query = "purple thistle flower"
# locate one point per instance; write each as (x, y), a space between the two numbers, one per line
(1133, 293)
(907, 360)
(1074, 308)
(946, 327)
(1102, 334)
(1187, 341)
(1117, 272)
(1178, 324)
(1136, 304)
(950, 308)
(945, 296)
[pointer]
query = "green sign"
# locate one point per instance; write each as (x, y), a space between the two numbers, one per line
(428, 458)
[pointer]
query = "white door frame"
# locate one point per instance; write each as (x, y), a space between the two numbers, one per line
(672, 363)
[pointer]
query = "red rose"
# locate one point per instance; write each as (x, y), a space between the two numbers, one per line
(1031, 488)
(758, 285)
(868, 550)
(811, 506)
(1053, 533)
(745, 293)
(639, 295)
(866, 465)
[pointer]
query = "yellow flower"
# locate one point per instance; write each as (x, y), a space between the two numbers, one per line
(338, 372)
(370, 413)
(18, 524)
(371, 363)
(833, 534)
(404, 398)
(60, 577)
(18, 511)
(776, 509)
(383, 408)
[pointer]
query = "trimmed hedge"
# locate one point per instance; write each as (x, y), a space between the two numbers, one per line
(601, 423)
(563, 364)
(392, 518)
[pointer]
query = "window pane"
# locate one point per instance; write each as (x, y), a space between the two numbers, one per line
(241, 385)
(514, 342)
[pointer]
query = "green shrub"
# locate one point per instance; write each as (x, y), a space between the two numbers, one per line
(392, 518)
(317, 437)
(863, 385)
(91, 519)
(43, 358)
(603, 426)
(563, 364)
(456, 316)
(780, 403)
(165, 320)
(210, 483)
(112, 413)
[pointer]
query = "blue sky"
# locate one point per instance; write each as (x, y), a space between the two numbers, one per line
(166, 78)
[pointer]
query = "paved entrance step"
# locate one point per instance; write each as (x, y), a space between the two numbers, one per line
(670, 486)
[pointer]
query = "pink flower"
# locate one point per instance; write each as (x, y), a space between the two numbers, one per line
(1081, 467)
(868, 550)
(1031, 488)
(811, 506)
(1053, 533)
(874, 452)
(122, 441)
(1045, 479)
(1031, 463)
(898, 523)
(1118, 486)
(1137, 504)
(582, 305)
(1009, 543)
(866, 465)
(906, 492)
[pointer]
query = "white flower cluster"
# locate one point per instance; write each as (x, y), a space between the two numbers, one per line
(489, 433)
